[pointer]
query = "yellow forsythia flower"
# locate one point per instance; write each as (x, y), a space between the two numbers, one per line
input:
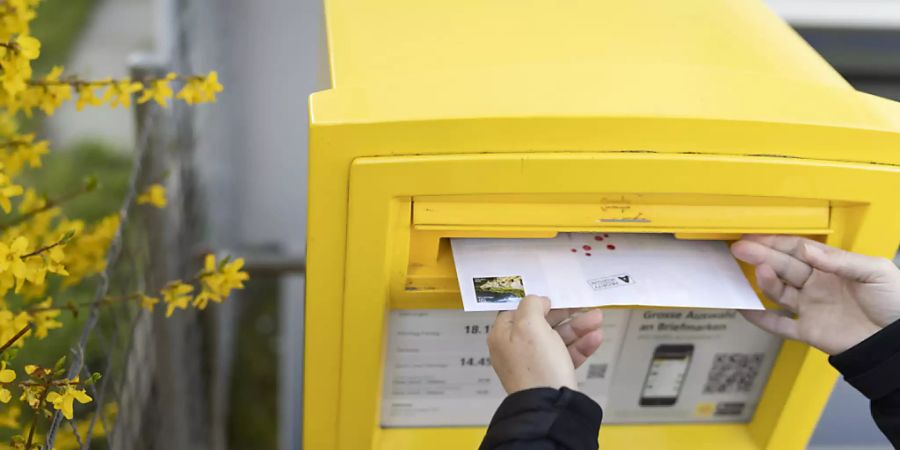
(35, 272)
(159, 91)
(119, 92)
(16, 17)
(148, 302)
(211, 85)
(64, 401)
(209, 283)
(8, 123)
(6, 376)
(16, 64)
(31, 202)
(49, 97)
(232, 276)
(31, 395)
(10, 324)
(25, 151)
(28, 153)
(176, 295)
(8, 190)
(11, 257)
(33, 153)
(86, 96)
(28, 47)
(45, 320)
(218, 283)
(15, 269)
(154, 195)
(86, 254)
(201, 89)
(55, 258)
(190, 93)
(36, 267)
(16, 71)
(202, 299)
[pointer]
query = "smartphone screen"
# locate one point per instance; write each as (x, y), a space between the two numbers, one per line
(666, 374)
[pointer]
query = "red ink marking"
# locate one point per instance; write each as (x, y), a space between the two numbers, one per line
(598, 238)
(586, 248)
(611, 247)
(573, 250)
(587, 254)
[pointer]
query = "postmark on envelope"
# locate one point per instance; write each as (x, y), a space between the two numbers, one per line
(622, 279)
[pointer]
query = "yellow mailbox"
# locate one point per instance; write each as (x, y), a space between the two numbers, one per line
(703, 118)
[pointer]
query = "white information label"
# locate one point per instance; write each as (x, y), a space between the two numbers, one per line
(683, 365)
(674, 365)
(438, 373)
(595, 375)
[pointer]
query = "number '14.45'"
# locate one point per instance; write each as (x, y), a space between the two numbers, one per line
(472, 361)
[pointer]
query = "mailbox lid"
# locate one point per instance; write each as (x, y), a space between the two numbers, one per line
(371, 44)
(712, 69)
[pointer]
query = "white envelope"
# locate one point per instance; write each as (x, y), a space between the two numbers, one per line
(583, 270)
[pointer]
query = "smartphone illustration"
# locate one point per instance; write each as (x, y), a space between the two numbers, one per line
(666, 374)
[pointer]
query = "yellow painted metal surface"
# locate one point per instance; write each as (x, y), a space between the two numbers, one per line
(711, 118)
(622, 213)
(661, 437)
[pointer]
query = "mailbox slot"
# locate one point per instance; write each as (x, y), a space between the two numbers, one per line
(430, 273)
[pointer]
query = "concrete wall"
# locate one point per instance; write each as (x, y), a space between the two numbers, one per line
(251, 147)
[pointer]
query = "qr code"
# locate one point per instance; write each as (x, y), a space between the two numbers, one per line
(733, 372)
(597, 371)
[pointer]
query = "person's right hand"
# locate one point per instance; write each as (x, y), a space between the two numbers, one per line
(533, 346)
(838, 298)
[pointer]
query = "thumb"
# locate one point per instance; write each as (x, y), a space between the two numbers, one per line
(857, 267)
(532, 307)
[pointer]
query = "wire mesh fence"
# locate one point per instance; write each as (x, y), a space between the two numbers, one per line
(140, 401)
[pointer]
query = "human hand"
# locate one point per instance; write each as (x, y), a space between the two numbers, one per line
(528, 352)
(838, 298)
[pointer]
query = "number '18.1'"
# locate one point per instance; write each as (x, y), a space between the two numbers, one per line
(478, 329)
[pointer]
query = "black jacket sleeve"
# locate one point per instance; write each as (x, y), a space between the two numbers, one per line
(544, 419)
(873, 368)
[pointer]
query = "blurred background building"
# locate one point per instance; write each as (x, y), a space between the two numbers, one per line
(243, 169)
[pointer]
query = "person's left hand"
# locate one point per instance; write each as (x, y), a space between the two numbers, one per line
(534, 347)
